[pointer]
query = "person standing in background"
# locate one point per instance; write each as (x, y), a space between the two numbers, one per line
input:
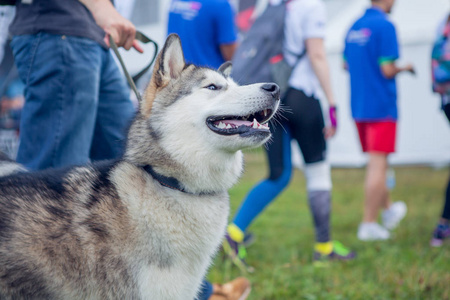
(208, 37)
(304, 30)
(371, 49)
(441, 85)
(206, 29)
(77, 104)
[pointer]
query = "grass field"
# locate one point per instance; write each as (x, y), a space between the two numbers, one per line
(405, 267)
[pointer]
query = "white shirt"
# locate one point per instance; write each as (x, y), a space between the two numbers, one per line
(7, 13)
(305, 19)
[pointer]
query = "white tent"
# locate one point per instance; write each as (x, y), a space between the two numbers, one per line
(423, 132)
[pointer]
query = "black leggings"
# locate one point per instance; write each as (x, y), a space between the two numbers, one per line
(446, 210)
(446, 109)
(304, 120)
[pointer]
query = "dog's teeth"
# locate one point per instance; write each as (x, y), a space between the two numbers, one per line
(221, 125)
(265, 112)
(255, 123)
(228, 126)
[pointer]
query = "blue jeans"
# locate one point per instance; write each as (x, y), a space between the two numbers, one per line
(77, 105)
(206, 290)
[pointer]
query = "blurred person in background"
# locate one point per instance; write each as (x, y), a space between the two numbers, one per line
(303, 48)
(441, 85)
(11, 88)
(371, 49)
(208, 37)
(11, 93)
(77, 103)
(206, 29)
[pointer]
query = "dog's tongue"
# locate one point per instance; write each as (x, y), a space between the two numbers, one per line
(237, 123)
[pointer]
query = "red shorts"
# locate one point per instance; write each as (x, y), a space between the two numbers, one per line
(377, 136)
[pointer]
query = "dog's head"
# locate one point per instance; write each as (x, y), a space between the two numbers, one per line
(201, 116)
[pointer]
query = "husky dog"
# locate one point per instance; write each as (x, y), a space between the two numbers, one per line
(145, 226)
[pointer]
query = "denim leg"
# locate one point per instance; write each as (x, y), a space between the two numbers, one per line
(115, 111)
(206, 290)
(61, 76)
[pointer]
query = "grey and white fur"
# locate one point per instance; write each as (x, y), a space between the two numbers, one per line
(111, 230)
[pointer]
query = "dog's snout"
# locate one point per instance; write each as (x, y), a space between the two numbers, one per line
(272, 88)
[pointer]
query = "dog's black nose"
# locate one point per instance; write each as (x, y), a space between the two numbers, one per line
(272, 88)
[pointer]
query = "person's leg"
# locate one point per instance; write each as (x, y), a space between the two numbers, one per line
(375, 190)
(307, 126)
(279, 159)
(378, 139)
(446, 210)
(446, 106)
(206, 290)
(114, 114)
(442, 230)
(61, 78)
(447, 111)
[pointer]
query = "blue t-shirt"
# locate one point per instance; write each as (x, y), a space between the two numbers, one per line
(370, 43)
(203, 25)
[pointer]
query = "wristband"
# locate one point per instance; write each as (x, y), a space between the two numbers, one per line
(333, 116)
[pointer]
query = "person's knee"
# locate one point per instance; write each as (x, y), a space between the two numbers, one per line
(275, 173)
(280, 176)
(318, 176)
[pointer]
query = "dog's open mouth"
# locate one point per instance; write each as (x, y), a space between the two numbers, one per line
(243, 125)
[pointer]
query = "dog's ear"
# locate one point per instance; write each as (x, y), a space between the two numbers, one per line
(172, 58)
(169, 65)
(226, 68)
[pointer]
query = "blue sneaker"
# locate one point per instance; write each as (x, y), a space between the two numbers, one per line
(441, 232)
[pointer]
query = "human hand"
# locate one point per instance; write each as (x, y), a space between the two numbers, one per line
(330, 131)
(120, 29)
(410, 68)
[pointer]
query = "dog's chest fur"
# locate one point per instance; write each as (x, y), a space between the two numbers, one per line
(115, 233)
(178, 233)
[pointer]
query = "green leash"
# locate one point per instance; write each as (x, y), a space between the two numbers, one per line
(131, 80)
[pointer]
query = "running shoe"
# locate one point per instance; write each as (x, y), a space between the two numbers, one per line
(339, 252)
(441, 232)
(237, 253)
(238, 289)
(392, 216)
(372, 232)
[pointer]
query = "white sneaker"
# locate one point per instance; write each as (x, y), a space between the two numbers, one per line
(392, 216)
(372, 232)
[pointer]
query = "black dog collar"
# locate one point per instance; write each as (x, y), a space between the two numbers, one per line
(170, 182)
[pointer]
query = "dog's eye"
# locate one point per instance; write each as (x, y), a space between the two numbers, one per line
(212, 87)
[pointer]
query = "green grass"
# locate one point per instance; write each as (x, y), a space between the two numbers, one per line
(405, 267)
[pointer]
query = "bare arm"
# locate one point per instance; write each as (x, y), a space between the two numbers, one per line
(228, 50)
(390, 70)
(316, 51)
(107, 17)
